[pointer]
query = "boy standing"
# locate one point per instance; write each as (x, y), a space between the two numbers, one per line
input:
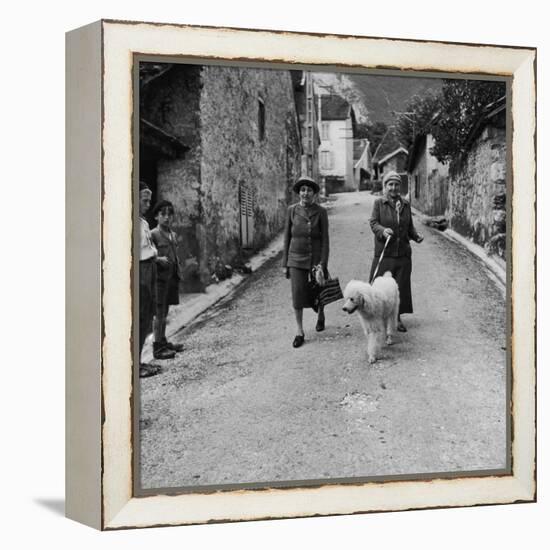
(168, 276)
(148, 260)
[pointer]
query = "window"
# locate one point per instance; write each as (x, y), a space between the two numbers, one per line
(246, 200)
(325, 130)
(261, 119)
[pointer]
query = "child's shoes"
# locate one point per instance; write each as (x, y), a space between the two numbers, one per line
(171, 346)
(160, 351)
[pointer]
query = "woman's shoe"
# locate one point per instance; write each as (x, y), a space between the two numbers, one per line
(401, 327)
(320, 326)
(298, 341)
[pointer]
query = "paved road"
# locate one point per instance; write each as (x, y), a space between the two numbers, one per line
(241, 405)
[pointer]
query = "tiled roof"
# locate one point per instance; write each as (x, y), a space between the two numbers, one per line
(493, 113)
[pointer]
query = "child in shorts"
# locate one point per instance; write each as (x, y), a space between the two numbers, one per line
(168, 275)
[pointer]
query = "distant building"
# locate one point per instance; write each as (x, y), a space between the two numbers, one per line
(391, 155)
(306, 107)
(362, 164)
(223, 144)
(429, 178)
(336, 128)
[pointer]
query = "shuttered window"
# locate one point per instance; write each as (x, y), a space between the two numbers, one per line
(246, 200)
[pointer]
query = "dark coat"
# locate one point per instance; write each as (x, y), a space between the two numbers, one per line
(167, 248)
(384, 215)
(306, 241)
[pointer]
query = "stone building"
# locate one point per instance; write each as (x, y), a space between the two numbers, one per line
(477, 187)
(470, 191)
(306, 106)
(337, 128)
(391, 155)
(428, 177)
(223, 144)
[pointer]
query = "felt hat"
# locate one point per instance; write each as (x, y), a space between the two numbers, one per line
(306, 180)
(391, 176)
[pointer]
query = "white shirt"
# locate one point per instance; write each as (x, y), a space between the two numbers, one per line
(147, 249)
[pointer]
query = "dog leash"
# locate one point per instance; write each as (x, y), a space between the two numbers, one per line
(380, 260)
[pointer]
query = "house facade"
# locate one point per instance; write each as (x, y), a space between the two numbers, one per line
(429, 178)
(391, 155)
(362, 164)
(306, 107)
(223, 144)
(336, 129)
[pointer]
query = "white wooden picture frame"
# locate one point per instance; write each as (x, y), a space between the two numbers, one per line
(99, 373)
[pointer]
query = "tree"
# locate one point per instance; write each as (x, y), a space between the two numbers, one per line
(373, 132)
(462, 103)
(417, 118)
(449, 116)
(361, 130)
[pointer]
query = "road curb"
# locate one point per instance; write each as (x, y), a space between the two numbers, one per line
(496, 267)
(194, 305)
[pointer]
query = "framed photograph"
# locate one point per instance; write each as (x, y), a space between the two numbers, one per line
(300, 274)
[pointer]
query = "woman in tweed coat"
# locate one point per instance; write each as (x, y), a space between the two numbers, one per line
(391, 217)
(306, 244)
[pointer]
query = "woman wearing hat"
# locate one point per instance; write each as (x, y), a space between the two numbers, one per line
(391, 217)
(305, 246)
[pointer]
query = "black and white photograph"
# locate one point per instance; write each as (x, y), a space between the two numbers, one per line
(322, 277)
(275, 275)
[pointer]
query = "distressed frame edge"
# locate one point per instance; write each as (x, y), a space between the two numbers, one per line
(83, 326)
(522, 484)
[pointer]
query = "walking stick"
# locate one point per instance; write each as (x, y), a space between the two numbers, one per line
(380, 260)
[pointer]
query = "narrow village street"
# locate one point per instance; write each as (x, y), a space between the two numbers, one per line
(241, 405)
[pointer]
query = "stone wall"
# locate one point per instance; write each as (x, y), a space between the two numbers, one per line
(236, 154)
(171, 102)
(215, 112)
(477, 192)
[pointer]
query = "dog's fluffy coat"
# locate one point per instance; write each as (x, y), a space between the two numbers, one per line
(378, 308)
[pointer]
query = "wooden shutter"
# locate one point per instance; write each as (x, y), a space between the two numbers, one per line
(246, 200)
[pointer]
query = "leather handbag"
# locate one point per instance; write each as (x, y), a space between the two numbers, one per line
(327, 292)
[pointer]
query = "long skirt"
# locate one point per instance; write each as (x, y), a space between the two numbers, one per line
(299, 284)
(400, 268)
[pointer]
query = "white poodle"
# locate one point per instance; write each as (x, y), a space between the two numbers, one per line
(378, 307)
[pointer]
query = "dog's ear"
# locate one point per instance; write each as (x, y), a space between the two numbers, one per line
(359, 300)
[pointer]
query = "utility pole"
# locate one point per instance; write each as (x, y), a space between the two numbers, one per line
(413, 120)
